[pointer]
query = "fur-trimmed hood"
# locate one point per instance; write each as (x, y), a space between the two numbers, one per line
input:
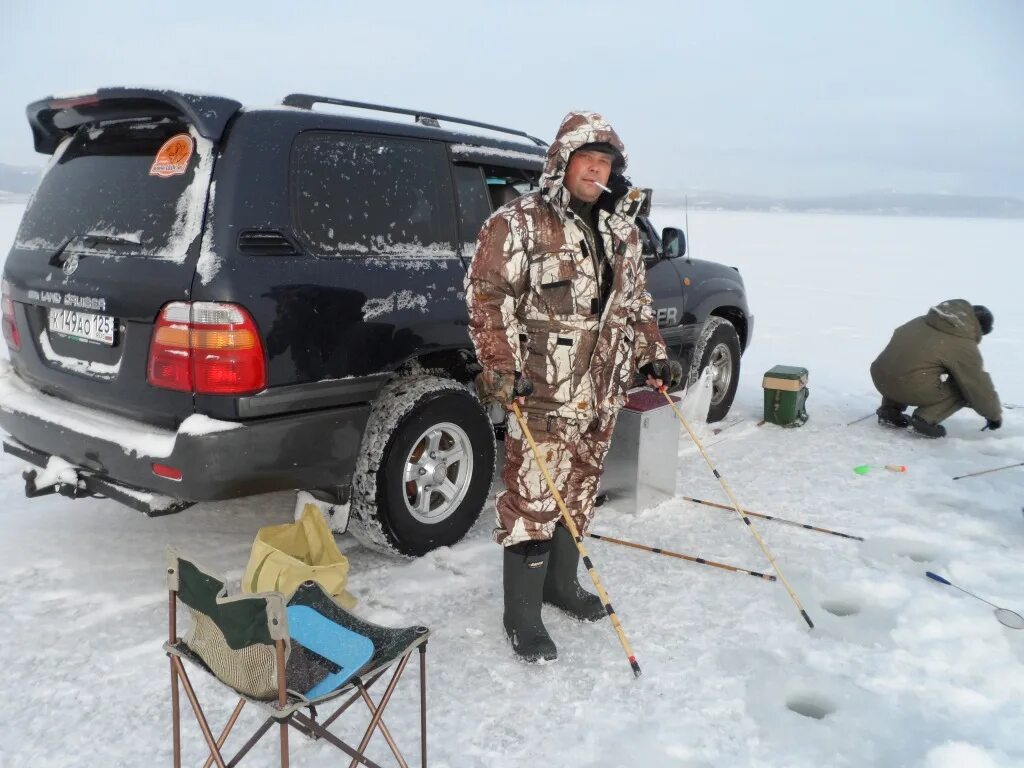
(577, 129)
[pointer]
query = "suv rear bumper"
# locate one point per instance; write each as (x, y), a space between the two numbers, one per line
(217, 459)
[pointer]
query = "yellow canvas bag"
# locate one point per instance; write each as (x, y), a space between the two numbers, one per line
(284, 556)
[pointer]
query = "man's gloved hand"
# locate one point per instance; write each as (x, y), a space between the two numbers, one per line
(502, 387)
(523, 386)
(663, 372)
(993, 423)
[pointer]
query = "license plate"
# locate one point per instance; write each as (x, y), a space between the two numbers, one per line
(98, 329)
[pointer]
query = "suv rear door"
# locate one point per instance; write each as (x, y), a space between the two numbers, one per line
(110, 235)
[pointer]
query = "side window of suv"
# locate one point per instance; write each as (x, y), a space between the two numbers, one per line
(474, 204)
(646, 246)
(354, 194)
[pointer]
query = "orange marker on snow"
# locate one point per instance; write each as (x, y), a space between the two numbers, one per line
(863, 469)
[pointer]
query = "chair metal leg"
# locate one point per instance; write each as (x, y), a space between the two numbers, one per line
(423, 705)
(351, 700)
(282, 701)
(383, 728)
(381, 707)
(226, 731)
(172, 638)
(259, 734)
(200, 717)
(301, 720)
(175, 717)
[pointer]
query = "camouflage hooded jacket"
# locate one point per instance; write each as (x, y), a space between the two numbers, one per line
(533, 290)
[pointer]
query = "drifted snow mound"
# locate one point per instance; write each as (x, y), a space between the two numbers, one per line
(958, 754)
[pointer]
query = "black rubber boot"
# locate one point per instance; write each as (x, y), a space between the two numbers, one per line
(525, 567)
(892, 417)
(925, 429)
(561, 587)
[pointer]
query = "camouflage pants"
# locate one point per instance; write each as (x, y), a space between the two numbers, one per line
(574, 453)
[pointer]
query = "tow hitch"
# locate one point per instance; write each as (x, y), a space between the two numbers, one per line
(56, 475)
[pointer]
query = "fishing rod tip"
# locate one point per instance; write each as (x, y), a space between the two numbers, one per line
(810, 624)
(635, 666)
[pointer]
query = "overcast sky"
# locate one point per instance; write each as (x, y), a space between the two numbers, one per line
(783, 98)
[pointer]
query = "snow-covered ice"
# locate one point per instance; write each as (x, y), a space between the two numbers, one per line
(900, 671)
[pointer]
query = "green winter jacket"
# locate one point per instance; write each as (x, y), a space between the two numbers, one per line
(943, 341)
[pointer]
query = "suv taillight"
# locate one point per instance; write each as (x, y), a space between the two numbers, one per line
(207, 348)
(11, 333)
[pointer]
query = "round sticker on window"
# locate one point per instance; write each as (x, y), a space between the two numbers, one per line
(173, 157)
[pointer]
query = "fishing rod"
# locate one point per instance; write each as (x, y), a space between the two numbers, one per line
(736, 506)
(987, 471)
(680, 556)
(782, 520)
(584, 555)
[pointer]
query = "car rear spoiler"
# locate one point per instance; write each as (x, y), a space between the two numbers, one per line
(54, 118)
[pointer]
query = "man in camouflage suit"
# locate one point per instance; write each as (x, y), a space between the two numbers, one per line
(559, 311)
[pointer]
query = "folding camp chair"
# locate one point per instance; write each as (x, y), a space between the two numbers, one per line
(245, 643)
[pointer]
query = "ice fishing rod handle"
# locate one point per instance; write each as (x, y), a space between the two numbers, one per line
(937, 578)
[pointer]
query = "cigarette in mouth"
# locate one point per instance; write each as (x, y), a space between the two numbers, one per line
(602, 186)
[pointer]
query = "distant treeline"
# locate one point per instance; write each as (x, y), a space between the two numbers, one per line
(880, 203)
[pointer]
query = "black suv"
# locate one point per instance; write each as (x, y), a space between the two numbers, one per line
(205, 302)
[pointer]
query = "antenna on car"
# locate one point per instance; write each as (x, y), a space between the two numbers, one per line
(686, 223)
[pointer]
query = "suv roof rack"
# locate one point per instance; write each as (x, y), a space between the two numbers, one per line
(306, 101)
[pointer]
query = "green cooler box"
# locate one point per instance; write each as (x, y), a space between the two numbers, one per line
(785, 396)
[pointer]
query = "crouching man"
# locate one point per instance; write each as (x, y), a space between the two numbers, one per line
(559, 312)
(933, 362)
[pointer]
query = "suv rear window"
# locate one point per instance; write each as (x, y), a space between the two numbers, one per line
(357, 194)
(100, 184)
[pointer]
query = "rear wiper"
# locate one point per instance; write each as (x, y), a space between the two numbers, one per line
(90, 240)
(96, 238)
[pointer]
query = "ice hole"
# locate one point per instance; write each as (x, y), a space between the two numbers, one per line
(918, 557)
(812, 705)
(841, 607)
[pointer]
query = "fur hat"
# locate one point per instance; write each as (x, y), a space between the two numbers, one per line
(618, 161)
(985, 319)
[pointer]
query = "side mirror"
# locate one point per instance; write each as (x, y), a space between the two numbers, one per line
(673, 241)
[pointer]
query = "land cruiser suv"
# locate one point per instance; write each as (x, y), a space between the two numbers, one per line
(205, 302)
